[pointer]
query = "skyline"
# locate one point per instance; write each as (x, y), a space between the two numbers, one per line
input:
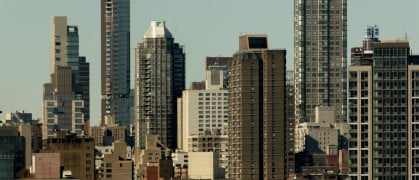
(210, 31)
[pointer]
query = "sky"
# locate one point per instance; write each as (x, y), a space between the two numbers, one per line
(204, 27)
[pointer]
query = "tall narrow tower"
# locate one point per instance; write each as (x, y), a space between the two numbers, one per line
(115, 61)
(256, 134)
(66, 97)
(159, 81)
(320, 57)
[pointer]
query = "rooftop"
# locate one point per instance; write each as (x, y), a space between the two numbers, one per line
(158, 30)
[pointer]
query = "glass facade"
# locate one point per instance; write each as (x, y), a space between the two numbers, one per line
(116, 61)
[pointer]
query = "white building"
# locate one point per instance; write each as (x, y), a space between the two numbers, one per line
(204, 111)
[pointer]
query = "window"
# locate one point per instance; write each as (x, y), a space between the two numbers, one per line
(108, 165)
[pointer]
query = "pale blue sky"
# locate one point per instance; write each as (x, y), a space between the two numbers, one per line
(204, 27)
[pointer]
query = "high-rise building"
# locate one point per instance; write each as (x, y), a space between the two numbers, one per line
(290, 125)
(115, 61)
(320, 57)
(257, 120)
(203, 119)
(159, 81)
(66, 97)
(383, 111)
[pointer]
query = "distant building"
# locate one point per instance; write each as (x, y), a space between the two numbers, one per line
(24, 124)
(106, 135)
(319, 137)
(116, 164)
(317, 166)
(383, 111)
(204, 165)
(115, 61)
(47, 166)
(203, 116)
(66, 98)
(77, 154)
(291, 121)
(12, 153)
(180, 159)
(153, 162)
(219, 64)
(320, 61)
(19, 117)
(257, 117)
(160, 80)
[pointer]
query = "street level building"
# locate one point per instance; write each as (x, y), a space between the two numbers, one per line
(77, 154)
(12, 153)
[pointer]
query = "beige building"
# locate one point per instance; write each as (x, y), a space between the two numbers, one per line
(76, 154)
(148, 157)
(203, 116)
(319, 137)
(117, 164)
(204, 112)
(383, 111)
(65, 103)
(257, 119)
(204, 165)
(107, 134)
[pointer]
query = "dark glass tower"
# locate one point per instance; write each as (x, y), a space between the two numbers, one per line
(115, 61)
(159, 81)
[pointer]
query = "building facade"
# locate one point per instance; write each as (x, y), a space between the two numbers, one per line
(160, 80)
(77, 154)
(12, 153)
(115, 61)
(320, 42)
(219, 64)
(291, 123)
(257, 111)
(383, 111)
(66, 98)
(204, 116)
(106, 135)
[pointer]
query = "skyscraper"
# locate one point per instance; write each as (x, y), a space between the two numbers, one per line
(115, 61)
(257, 121)
(159, 81)
(320, 57)
(383, 110)
(66, 97)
